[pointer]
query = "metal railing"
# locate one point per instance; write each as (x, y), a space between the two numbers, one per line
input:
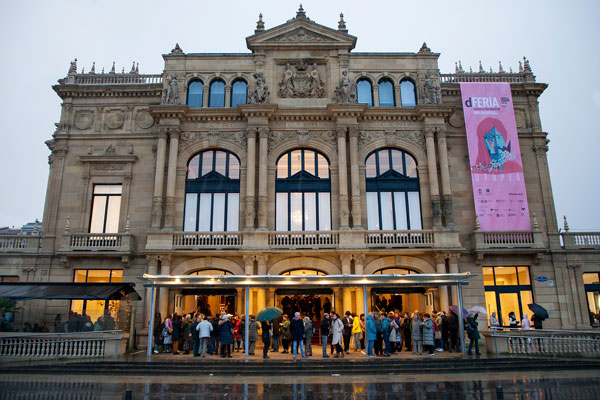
(117, 79)
(482, 77)
(192, 240)
(422, 238)
(304, 239)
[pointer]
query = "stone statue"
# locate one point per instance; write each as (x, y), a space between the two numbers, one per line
(431, 92)
(73, 67)
(260, 94)
(345, 92)
(171, 94)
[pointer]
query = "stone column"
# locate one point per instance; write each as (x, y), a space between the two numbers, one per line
(152, 270)
(263, 137)
(433, 179)
(453, 264)
(239, 301)
(375, 95)
(261, 299)
(447, 207)
(165, 269)
(440, 261)
(249, 264)
(355, 179)
(171, 178)
(343, 177)
(250, 175)
(159, 178)
(346, 259)
(227, 95)
(359, 261)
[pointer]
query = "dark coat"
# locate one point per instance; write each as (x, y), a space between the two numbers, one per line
(474, 332)
(325, 327)
(297, 329)
(225, 335)
(176, 329)
(265, 327)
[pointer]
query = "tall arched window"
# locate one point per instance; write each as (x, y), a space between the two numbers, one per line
(408, 93)
(364, 92)
(216, 94)
(386, 93)
(239, 92)
(303, 192)
(393, 199)
(212, 192)
(195, 94)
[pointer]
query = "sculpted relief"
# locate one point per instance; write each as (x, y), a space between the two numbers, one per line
(301, 80)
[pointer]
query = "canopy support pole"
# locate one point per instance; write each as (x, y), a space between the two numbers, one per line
(151, 323)
(461, 324)
(365, 301)
(247, 321)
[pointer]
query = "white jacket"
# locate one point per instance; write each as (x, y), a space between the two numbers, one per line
(204, 328)
(337, 327)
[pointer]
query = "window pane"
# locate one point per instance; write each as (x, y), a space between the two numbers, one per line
(384, 161)
(590, 278)
(593, 299)
(506, 275)
(411, 166)
(310, 212)
(372, 211)
(523, 276)
(217, 94)
(407, 94)
(281, 220)
(98, 275)
(323, 167)
(309, 161)
(95, 309)
(80, 275)
(324, 212)
(204, 213)
(233, 212)
(490, 304)
(364, 92)
(371, 167)
(387, 217)
(296, 160)
(207, 162)
(488, 276)
(218, 212)
(238, 93)
(195, 93)
(282, 167)
(107, 189)
(234, 167)
(191, 211)
(193, 167)
(414, 210)
(386, 94)
(77, 306)
(296, 212)
(509, 302)
(112, 217)
(526, 298)
(397, 161)
(400, 209)
(98, 213)
(220, 162)
(116, 275)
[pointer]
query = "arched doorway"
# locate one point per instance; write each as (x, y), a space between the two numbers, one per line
(205, 300)
(311, 302)
(402, 299)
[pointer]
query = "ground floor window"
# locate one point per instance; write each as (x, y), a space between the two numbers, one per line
(96, 309)
(9, 278)
(507, 289)
(591, 281)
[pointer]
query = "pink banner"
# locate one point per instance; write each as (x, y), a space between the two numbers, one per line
(495, 158)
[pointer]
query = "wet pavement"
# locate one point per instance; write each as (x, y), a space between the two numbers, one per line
(526, 385)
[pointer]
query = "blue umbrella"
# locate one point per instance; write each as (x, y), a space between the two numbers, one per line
(268, 314)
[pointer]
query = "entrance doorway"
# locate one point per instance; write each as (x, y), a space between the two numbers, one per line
(208, 301)
(406, 299)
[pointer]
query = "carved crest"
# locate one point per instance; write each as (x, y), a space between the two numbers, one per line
(301, 80)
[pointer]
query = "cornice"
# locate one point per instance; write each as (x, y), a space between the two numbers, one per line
(150, 90)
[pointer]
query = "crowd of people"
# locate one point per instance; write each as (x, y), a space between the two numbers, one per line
(379, 334)
(75, 323)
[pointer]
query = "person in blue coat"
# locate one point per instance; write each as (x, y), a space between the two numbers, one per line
(225, 336)
(371, 334)
(385, 332)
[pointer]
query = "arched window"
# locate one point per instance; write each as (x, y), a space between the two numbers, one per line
(408, 93)
(216, 94)
(393, 199)
(303, 192)
(195, 94)
(212, 192)
(239, 92)
(399, 271)
(364, 92)
(304, 272)
(210, 272)
(386, 93)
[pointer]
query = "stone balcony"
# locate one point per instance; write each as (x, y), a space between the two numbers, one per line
(508, 242)
(301, 240)
(20, 243)
(581, 240)
(94, 244)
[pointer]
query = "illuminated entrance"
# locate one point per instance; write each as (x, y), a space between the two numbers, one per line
(312, 302)
(207, 301)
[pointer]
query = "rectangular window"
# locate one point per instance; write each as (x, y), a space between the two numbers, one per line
(295, 211)
(387, 216)
(233, 212)
(414, 207)
(508, 289)
(106, 206)
(9, 278)
(324, 212)
(310, 212)
(281, 218)
(372, 211)
(400, 210)
(97, 308)
(204, 212)
(218, 215)
(191, 212)
(591, 283)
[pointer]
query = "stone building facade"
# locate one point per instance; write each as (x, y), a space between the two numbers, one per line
(208, 167)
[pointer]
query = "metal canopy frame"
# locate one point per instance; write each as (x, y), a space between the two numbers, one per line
(300, 281)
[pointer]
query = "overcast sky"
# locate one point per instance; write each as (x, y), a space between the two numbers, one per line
(39, 38)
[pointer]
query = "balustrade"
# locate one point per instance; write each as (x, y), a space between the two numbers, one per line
(20, 243)
(577, 240)
(118, 79)
(482, 77)
(304, 239)
(544, 342)
(98, 242)
(191, 240)
(399, 238)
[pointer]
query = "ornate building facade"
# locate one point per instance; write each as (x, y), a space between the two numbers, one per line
(300, 157)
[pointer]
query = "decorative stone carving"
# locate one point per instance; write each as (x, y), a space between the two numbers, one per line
(213, 137)
(108, 167)
(457, 119)
(84, 119)
(392, 137)
(298, 81)
(260, 94)
(431, 92)
(73, 67)
(424, 49)
(301, 35)
(276, 137)
(345, 92)
(143, 119)
(110, 150)
(157, 203)
(520, 119)
(171, 94)
(176, 50)
(260, 24)
(114, 119)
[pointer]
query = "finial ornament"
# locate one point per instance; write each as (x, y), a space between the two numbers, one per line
(481, 67)
(300, 14)
(68, 224)
(260, 24)
(477, 225)
(112, 70)
(73, 67)
(137, 68)
(342, 23)
(93, 70)
(520, 67)
(424, 48)
(536, 226)
(500, 69)
(176, 50)
(127, 224)
(460, 67)
(132, 68)
(526, 66)
(36, 227)
(565, 225)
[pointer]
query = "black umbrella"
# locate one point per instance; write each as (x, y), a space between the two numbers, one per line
(538, 310)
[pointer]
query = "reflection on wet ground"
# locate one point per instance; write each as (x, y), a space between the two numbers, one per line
(530, 385)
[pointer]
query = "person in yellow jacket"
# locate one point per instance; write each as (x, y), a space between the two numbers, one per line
(356, 331)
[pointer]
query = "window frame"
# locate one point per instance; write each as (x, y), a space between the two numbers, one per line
(108, 196)
(358, 81)
(187, 100)
(414, 90)
(393, 91)
(504, 289)
(210, 93)
(110, 280)
(236, 81)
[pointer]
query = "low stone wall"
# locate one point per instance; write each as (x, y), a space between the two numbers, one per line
(543, 342)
